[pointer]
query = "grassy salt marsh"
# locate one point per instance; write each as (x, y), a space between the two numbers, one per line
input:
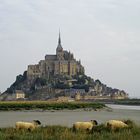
(32, 105)
(64, 133)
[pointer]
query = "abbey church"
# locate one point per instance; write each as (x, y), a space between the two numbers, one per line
(62, 63)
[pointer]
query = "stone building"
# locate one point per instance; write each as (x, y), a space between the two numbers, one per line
(62, 63)
(63, 99)
(19, 94)
(16, 95)
(78, 97)
(119, 95)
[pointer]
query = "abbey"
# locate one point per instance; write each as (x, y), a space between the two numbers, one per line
(62, 63)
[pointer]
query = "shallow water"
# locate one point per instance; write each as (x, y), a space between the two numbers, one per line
(67, 118)
(128, 107)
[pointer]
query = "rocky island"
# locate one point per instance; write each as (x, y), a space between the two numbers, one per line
(62, 77)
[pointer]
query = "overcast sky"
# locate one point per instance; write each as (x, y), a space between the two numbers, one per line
(104, 34)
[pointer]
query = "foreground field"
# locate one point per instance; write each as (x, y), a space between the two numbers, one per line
(31, 105)
(64, 133)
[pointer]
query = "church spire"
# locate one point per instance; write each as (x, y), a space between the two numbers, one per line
(59, 46)
(59, 40)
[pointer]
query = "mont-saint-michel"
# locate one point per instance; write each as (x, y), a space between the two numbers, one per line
(59, 76)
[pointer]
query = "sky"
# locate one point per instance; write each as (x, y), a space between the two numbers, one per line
(104, 34)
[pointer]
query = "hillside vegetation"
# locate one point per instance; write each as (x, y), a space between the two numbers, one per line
(83, 82)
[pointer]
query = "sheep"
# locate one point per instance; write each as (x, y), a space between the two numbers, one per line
(28, 125)
(116, 124)
(85, 125)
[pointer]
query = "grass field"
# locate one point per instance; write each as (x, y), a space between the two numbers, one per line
(31, 105)
(65, 133)
(128, 102)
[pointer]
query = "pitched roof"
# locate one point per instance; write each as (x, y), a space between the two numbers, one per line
(50, 57)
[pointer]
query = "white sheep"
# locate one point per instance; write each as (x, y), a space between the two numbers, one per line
(84, 125)
(115, 124)
(28, 125)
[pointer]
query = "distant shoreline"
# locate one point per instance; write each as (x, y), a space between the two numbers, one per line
(132, 102)
(54, 106)
(44, 105)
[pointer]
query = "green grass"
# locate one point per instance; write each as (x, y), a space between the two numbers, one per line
(30, 105)
(128, 102)
(65, 133)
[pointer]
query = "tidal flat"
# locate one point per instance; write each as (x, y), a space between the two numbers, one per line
(68, 117)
